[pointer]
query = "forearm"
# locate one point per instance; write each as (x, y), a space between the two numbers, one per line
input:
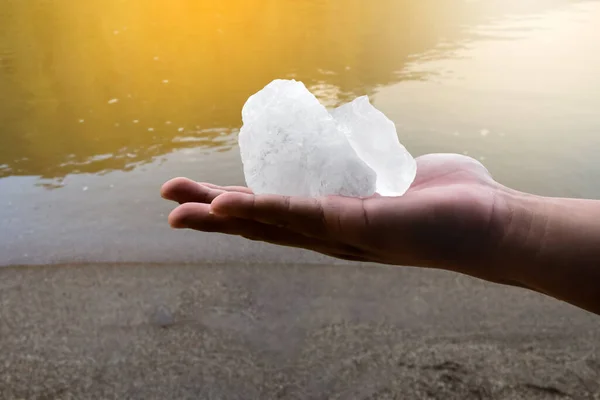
(552, 246)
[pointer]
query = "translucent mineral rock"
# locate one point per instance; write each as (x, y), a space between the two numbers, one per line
(291, 145)
(373, 136)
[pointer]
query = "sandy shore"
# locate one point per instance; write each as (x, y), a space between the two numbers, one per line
(301, 332)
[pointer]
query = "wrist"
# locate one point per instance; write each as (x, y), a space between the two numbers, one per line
(521, 245)
(552, 246)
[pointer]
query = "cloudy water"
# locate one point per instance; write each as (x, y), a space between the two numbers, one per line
(102, 101)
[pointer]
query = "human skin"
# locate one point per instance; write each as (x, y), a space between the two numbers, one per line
(455, 216)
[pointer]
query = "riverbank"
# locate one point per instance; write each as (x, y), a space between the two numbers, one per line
(303, 331)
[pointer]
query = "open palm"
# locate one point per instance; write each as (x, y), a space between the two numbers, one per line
(449, 218)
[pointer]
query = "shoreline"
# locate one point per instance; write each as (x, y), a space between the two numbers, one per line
(296, 331)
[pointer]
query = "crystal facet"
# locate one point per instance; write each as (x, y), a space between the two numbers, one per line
(291, 145)
(373, 136)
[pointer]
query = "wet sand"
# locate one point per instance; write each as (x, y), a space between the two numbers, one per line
(227, 331)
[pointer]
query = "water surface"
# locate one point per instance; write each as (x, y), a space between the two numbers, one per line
(102, 101)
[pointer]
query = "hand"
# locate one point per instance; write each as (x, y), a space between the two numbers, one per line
(453, 216)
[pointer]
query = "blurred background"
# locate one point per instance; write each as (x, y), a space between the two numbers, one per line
(101, 101)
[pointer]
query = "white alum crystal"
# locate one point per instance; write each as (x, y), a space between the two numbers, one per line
(373, 136)
(291, 145)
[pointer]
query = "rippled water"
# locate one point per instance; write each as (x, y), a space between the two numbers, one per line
(101, 101)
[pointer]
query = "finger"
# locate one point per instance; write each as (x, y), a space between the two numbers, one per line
(198, 217)
(303, 215)
(183, 190)
(242, 189)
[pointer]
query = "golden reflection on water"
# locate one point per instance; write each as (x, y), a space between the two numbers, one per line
(91, 86)
(87, 86)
